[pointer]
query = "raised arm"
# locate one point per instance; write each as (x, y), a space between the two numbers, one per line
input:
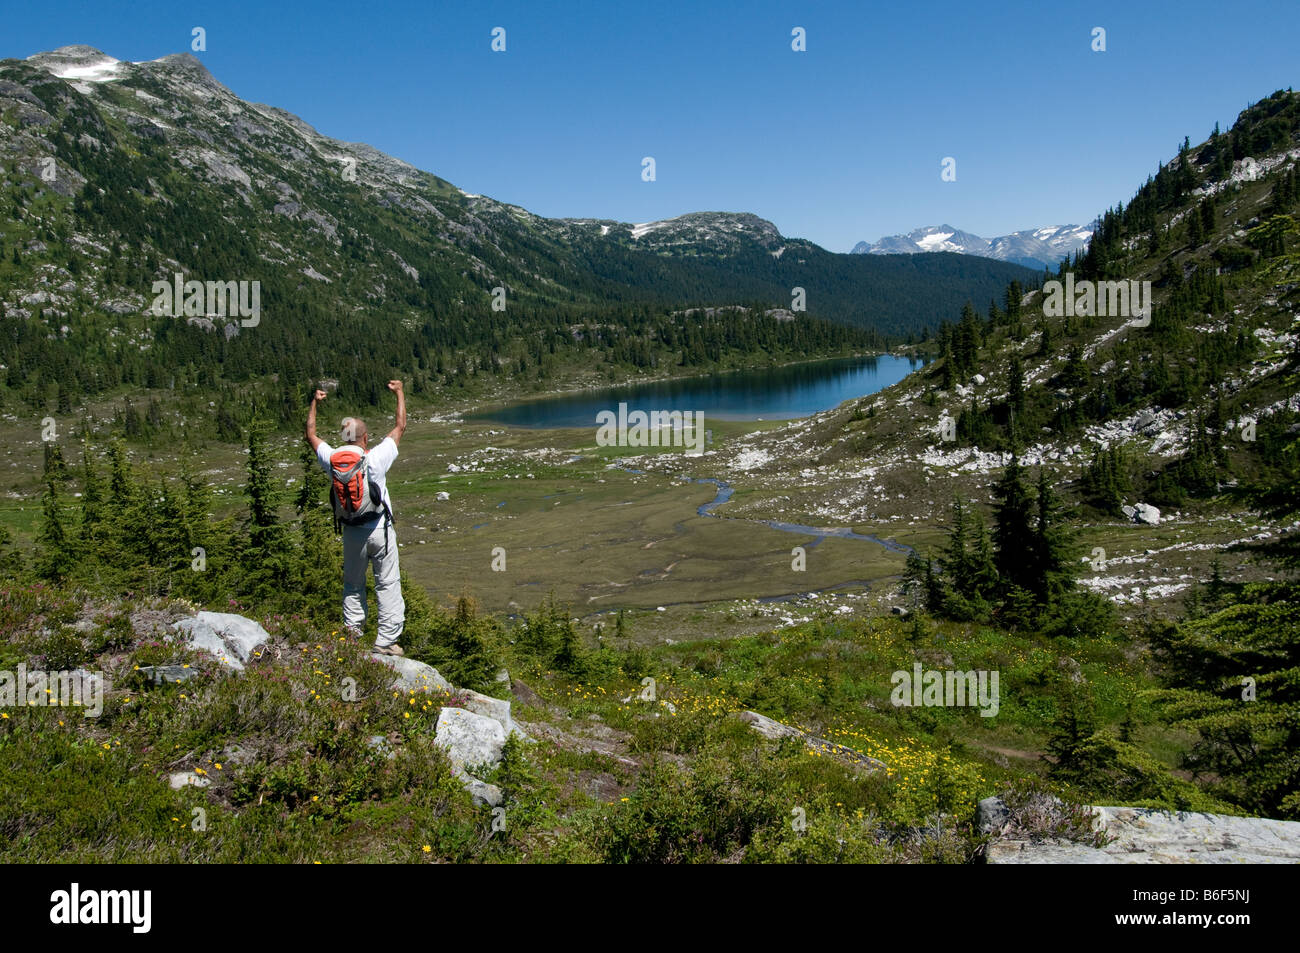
(396, 432)
(312, 439)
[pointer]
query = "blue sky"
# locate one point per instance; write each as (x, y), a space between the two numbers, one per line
(836, 144)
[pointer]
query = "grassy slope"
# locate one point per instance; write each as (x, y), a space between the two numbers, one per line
(294, 775)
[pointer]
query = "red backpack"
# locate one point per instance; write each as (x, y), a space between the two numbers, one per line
(355, 498)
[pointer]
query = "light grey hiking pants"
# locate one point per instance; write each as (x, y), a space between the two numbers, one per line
(362, 545)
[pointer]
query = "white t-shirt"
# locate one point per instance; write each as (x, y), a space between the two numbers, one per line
(378, 459)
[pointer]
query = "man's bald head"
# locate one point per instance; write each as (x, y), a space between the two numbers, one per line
(354, 430)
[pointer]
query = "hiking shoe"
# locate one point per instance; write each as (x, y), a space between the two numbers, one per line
(393, 649)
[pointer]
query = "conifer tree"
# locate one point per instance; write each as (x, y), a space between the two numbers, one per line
(320, 556)
(1013, 529)
(1050, 557)
(266, 558)
(131, 516)
(955, 555)
(57, 555)
(1016, 386)
(983, 567)
(263, 522)
(54, 468)
(1232, 674)
(92, 498)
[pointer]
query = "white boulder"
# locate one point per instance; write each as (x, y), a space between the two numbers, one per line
(1146, 513)
(229, 638)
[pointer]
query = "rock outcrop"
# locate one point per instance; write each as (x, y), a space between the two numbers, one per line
(419, 677)
(1143, 513)
(775, 730)
(473, 727)
(187, 779)
(472, 739)
(1145, 836)
(991, 814)
(229, 638)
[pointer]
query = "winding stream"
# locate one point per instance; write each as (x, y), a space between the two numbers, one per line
(726, 491)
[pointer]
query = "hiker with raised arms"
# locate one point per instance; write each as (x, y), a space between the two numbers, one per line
(364, 513)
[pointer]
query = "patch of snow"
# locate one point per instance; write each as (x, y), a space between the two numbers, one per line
(936, 242)
(100, 71)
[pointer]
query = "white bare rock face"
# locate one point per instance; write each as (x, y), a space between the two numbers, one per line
(1146, 513)
(1145, 836)
(497, 709)
(413, 675)
(1143, 513)
(484, 794)
(229, 638)
(769, 727)
(471, 739)
(186, 779)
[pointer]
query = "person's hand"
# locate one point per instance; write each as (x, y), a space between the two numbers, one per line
(395, 386)
(319, 396)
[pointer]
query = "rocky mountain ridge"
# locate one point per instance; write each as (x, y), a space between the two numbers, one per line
(1042, 247)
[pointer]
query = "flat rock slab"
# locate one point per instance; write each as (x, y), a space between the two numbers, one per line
(775, 730)
(227, 637)
(769, 727)
(167, 674)
(415, 676)
(1145, 836)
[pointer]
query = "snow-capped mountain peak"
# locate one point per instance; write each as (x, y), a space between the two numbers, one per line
(1041, 247)
(79, 63)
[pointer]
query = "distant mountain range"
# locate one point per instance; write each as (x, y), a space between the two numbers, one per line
(160, 160)
(1034, 247)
